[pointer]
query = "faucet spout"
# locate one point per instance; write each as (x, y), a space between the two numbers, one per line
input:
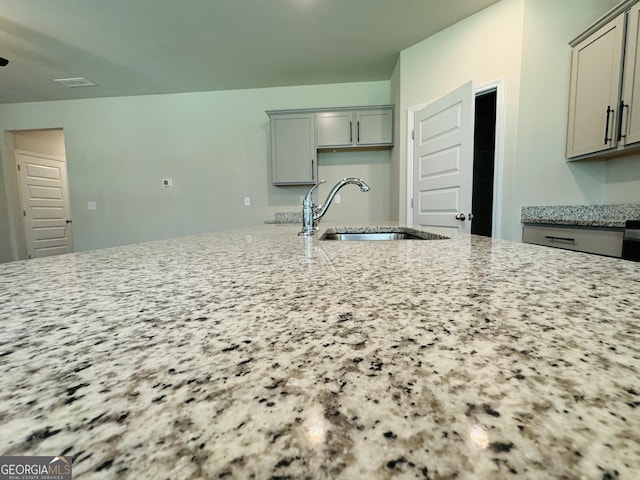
(321, 210)
(312, 213)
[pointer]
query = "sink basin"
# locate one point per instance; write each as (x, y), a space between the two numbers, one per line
(370, 236)
(379, 233)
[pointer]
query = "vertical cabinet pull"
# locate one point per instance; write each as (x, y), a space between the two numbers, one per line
(313, 176)
(620, 115)
(350, 132)
(358, 126)
(606, 127)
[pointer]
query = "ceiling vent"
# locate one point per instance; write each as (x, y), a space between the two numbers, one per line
(76, 82)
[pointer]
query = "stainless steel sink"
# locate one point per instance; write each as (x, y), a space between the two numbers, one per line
(379, 233)
(370, 236)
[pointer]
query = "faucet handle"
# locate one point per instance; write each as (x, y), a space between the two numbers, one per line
(307, 198)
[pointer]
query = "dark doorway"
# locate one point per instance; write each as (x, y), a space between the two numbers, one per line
(484, 147)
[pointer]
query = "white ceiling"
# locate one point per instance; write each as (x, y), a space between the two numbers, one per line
(137, 47)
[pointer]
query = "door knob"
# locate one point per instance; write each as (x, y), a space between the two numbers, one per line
(460, 216)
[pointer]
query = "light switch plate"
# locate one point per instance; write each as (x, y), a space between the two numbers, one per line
(247, 201)
(91, 205)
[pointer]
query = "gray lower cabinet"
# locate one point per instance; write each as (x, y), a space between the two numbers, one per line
(293, 149)
(581, 239)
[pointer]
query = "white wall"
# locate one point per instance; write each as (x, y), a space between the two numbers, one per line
(623, 180)
(543, 176)
(396, 160)
(7, 251)
(356, 207)
(482, 48)
(47, 142)
(214, 145)
(525, 43)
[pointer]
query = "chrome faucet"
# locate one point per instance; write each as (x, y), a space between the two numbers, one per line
(312, 213)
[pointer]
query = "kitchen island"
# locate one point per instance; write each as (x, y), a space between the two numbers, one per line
(256, 353)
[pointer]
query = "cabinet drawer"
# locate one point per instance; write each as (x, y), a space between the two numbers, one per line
(602, 242)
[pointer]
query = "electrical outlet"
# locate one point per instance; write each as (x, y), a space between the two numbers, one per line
(167, 182)
(337, 198)
(247, 201)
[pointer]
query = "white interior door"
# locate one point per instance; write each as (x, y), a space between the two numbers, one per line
(45, 204)
(443, 161)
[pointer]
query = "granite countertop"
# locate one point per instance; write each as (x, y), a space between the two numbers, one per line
(260, 354)
(610, 216)
(287, 217)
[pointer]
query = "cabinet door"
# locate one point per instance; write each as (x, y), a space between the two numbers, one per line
(335, 129)
(630, 104)
(293, 149)
(596, 67)
(374, 127)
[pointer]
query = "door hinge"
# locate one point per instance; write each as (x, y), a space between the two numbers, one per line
(413, 134)
(24, 214)
(411, 202)
(18, 167)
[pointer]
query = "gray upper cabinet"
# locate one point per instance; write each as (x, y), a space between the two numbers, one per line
(631, 86)
(595, 90)
(296, 136)
(355, 128)
(335, 129)
(604, 108)
(293, 148)
(374, 127)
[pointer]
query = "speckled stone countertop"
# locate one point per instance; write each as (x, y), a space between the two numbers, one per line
(287, 217)
(260, 354)
(613, 216)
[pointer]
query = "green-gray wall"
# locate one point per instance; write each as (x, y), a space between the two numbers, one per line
(215, 147)
(215, 144)
(484, 48)
(6, 250)
(525, 44)
(542, 175)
